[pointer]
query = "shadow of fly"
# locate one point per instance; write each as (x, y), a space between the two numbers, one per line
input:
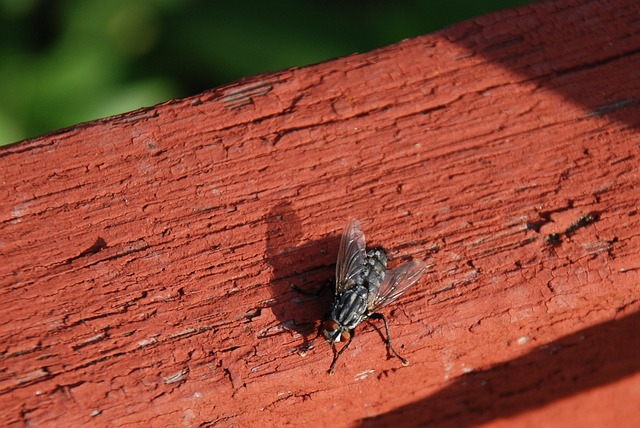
(363, 286)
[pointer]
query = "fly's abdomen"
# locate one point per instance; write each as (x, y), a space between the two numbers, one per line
(374, 270)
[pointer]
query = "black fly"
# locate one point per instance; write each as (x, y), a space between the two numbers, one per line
(363, 286)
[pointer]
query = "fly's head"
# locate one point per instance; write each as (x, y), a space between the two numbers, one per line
(334, 332)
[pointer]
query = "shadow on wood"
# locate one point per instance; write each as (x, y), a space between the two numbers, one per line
(586, 359)
(306, 265)
(546, 49)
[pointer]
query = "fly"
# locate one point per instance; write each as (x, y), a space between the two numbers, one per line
(363, 286)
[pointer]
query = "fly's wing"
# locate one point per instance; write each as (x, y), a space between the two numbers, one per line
(396, 282)
(351, 256)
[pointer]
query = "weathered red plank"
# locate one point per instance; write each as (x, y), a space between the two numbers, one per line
(147, 259)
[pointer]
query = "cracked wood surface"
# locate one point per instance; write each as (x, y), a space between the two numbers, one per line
(147, 259)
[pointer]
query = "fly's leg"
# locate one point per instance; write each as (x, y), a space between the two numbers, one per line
(329, 283)
(405, 362)
(305, 292)
(303, 349)
(336, 355)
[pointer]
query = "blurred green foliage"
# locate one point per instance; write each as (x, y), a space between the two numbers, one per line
(68, 61)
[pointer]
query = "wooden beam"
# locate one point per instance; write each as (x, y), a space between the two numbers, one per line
(147, 259)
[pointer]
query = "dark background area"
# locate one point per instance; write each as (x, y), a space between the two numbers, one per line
(69, 61)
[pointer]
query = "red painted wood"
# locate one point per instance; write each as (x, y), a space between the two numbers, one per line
(147, 259)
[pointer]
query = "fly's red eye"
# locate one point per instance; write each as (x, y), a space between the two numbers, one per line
(345, 336)
(330, 325)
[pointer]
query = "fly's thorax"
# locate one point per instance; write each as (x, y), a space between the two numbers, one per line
(350, 307)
